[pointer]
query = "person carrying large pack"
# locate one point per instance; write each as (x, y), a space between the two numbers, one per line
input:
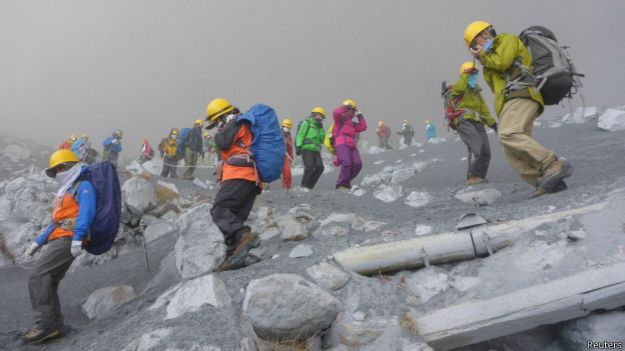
(348, 122)
(471, 121)
(85, 215)
(112, 147)
(308, 141)
(252, 152)
(518, 102)
(168, 148)
(193, 144)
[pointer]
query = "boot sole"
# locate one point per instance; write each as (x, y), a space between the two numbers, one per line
(550, 184)
(53, 335)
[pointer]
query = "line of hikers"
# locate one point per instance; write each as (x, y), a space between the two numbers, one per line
(406, 133)
(255, 149)
(81, 147)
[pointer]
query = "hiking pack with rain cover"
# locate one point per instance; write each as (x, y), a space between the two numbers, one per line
(553, 72)
(450, 106)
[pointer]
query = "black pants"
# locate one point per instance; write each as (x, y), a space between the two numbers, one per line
(313, 168)
(232, 205)
(169, 167)
(384, 144)
(43, 283)
(473, 134)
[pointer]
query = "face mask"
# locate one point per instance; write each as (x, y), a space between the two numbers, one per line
(473, 80)
(174, 136)
(286, 129)
(488, 44)
(62, 177)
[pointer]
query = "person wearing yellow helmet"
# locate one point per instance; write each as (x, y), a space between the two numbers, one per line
(308, 141)
(287, 124)
(193, 144)
(348, 123)
(469, 122)
(146, 153)
(505, 59)
(80, 147)
(239, 180)
(73, 213)
(407, 132)
(384, 133)
(112, 147)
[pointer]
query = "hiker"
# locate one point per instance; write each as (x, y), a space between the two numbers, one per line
(168, 150)
(239, 180)
(112, 147)
(469, 124)
(80, 147)
(310, 136)
(67, 144)
(193, 144)
(407, 132)
(287, 124)
(147, 153)
(348, 121)
(430, 130)
(504, 56)
(73, 213)
(206, 145)
(384, 133)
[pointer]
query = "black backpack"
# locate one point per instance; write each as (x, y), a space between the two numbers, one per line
(552, 67)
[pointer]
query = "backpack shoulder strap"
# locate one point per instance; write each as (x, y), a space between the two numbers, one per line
(76, 186)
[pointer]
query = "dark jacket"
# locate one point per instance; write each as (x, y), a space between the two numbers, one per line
(194, 139)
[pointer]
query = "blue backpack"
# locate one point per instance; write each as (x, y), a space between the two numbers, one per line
(267, 146)
(181, 141)
(105, 226)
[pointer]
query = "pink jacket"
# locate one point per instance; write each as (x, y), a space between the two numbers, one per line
(345, 130)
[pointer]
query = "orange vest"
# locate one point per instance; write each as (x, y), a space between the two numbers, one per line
(65, 208)
(229, 171)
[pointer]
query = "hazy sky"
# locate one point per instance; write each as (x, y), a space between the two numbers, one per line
(146, 66)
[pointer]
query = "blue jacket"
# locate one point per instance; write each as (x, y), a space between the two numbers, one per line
(86, 198)
(109, 146)
(430, 131)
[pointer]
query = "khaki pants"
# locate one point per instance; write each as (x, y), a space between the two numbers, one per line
(528, 158)
(190, 160)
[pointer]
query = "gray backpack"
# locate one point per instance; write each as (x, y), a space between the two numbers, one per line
(552, 68)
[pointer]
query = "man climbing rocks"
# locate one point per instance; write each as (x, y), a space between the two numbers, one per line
(240, 183)
(407, 132)
(348, 121)
(470, 123)
(430, 130)
(112, 147)
(194, 144)
(308, 143)
(168, 150)
(73, 213)
(287, 124)
(505, 59)
(384, 133)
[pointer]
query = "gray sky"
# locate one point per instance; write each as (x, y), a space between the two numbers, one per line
(146, 66)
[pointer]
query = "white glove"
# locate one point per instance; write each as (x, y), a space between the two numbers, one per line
(114, 141)
(76, 248)
(34, 247)
(355, 119)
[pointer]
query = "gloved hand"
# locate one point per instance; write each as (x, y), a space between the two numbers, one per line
(114, 141)
(76, 248)
(34, 247)
(494, 127)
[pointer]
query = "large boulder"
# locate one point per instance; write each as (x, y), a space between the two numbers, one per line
(288, 307)
(596, 327)
(157, 230)
(200, 247)
(105, 300)
(612, 120)
(139, 195)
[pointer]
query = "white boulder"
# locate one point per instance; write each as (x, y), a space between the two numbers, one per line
(612, 120)
(292, 229)
(103, 301)
(478, 196)
(328, 276)
(192, 295)
(288, 307)
(158, 230)
(582, 115)
(139, 195)
(388, 193)
(417, 199)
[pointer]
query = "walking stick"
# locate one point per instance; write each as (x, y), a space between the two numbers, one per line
(145, 250)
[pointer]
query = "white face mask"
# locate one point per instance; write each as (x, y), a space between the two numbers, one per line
(62, 177)
(286, 129)
(174, 136)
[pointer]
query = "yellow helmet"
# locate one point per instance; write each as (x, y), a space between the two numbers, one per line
(60, 157)
(467, 65)
(175, 131)
(287, 123)
(349, 102)
(217, 108)
(205, 134)
(473, 29)
(427, 121)
(85, 136)
(319, 110)
(381, 123)
(199, 121)
(118, 134)
(73, 138)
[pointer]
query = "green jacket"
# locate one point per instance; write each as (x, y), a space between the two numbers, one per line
(472, 101)
(310, 135)
(498, 67)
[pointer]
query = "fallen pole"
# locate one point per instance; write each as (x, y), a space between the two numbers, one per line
(445, 247)
(571, 297)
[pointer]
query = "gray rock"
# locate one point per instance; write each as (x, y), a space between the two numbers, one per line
(200, 247)
(388, 193)
(478, 196)
(598, 326)
(157, 230)
(287, 307)
(328, 276)
(582, 115)
(362, 224)
(192, 295)
(139, 195)
(402, 175)
(301, 251)
(612, 120)
(292, 230)
(105, 300)
(417, 199)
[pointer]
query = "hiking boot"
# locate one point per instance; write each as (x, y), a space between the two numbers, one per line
(231, 263)
(248, 241)
(561, 186)
(38, 335)
(343, 189)
(557, 171)
(475, 181)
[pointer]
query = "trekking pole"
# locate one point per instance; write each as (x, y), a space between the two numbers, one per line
(145, 250)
